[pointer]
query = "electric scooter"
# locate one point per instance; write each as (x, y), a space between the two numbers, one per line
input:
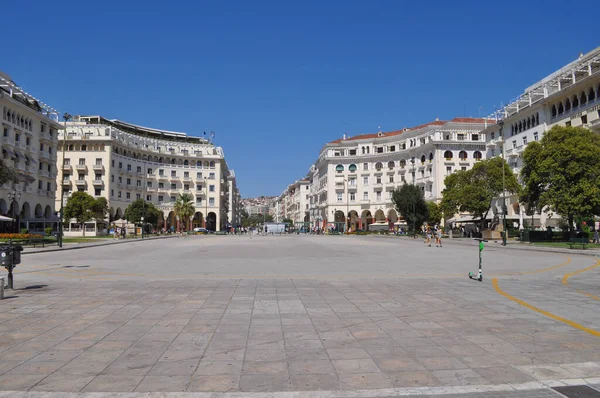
(479, 276)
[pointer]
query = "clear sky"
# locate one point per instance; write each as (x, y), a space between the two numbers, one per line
(277, 79)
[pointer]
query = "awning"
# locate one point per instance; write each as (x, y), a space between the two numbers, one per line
(6, 219)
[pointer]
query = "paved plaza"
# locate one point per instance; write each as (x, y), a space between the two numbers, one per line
(321, 316)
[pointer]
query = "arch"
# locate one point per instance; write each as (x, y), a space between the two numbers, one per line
(161, 221)
(339, 168)
(26, 211)
(199, 163)
(561, 109)
(39, 212)
(171, 221)
(391, 164)
(211, 221)
(423, 158)
(339, 216)
(352, 168)
(366, 218)
(537, 118)
(212, 164)
(378, 166)
(575, 101)
(520, 126)
(392, 216)
(462, 155)
(48, 212)
(402, 163)
(111, 214)
(477, 155)
(186, 163)
(160, 160)
(583, 98)
(3, 207)
(379, 216)
(206, 164)
(448, 155)
(173, 161)
(528, 123)
(353, 221)
(567, 105)
(118, 213)
(591, 94)
(197, 220)
(554, 111)
(430, 156)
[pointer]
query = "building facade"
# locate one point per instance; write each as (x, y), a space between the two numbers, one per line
(567, 97)
(351, 183)
(123, 162)
(29, 144)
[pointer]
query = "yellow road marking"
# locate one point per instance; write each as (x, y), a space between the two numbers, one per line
(546, 313)
(567, 276)
(546, 269)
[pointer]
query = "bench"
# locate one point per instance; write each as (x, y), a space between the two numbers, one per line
(578, 241)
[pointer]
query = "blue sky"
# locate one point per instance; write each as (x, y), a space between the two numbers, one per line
(277, 79)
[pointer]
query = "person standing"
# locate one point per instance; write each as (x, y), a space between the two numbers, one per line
(596, 237)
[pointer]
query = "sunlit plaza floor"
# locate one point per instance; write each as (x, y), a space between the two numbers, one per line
(334, 315)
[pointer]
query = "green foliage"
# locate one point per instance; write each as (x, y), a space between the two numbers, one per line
(48, 231)
(255, 219)
(411, 205)
(7, 174)
(184, 208)
(138, 209)
(435, 213)
(289, 221)
(84, 208)
(473, 190)
(562, 172)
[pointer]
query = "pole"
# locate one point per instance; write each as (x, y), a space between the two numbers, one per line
(347, 207)
(59, 237)
(144, 199)
(206, 204)
(501, 124)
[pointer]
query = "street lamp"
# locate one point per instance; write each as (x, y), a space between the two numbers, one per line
(347, 206)
(206, 204)
(14, 198)
(412, 161)
(66, 118)
(501, 124)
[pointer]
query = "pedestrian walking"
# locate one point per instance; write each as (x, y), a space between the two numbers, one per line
(438, 238)
(596, 238)
(428, 240)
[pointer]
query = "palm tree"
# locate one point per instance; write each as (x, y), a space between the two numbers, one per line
(184, 208)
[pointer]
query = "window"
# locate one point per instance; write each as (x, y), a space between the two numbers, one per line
(211, 176)
(352, 168)
(378, 195)
(352, 152)
(339, 169)
(17, 137)
(463, 168)
(379, 149)
(199, 200)
(535, 136)
(199, 187)
(98, 177)
(339, 197)
(524, 140)
(366, 180)
(378, 166)
(391, 164)
(82, 162)
(186, 187)
(138, 169)
(67, 162)
(460, 137)
(120, 165)
(148, 198)
(97, 191)
(462, 155)
(365, 196)
(352, 196)
(475, 137)
(119, 194)
(149, 184)
(391, 178)
(112, 193)
(211, 201)
(584, 119)
(161, 172)
(172, 199)
(198, 175)
(138, 196)
(112, 163)
(6, 131)
(161, 185)
(568, 124)
(173, 173)
(448, 170)
(365, 166)
(120, 179)
(211, 188)
(514, 143)
(127, 195)
(392, 148)
(351, 182)
(149, 171)
(128, 167)
(129, 181)
(138, 183)
(477, 155)
(378, 179)
(186, 174)
(173, 186)
(160, 198)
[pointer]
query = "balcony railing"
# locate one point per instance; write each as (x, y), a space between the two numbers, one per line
(81, 167)
(80, 182)
(98, 182)
(98, 167)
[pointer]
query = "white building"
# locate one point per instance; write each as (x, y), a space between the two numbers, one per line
(353, 178)
(298, 201)
(567, 97)
(29, 143)
(124, 162)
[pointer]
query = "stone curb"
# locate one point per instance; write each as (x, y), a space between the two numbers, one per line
(87, 246)
(510, 246)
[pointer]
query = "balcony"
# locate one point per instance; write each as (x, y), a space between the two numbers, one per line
(67, 167)
(20, 144)
(7, 141)
(173, 178)
(45, 136)
(66, 182)
(187, 178)
(44, 156)
(81, 167)
(50, 194)
(41, 192)
(44, 173)
(80, 182)
(98, 167)
(98, 182)
(163, 177)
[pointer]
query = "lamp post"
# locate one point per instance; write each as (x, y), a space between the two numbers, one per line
(59, 237)
(412, 161)
(501, 124)
(206, 204)
(14, 198)
(347, 224)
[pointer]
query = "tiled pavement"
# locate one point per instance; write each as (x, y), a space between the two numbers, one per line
(328, 336)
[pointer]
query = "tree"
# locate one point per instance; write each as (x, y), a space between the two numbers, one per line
(84, 208)
(561, 173)
(474, 190)
(7, 174)
(411, 205)
(435, 213)
(140, 208)
(184, 208)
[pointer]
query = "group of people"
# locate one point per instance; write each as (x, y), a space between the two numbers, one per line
(435, 233)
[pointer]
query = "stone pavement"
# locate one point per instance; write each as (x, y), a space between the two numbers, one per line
(92, 243)
(328, 316)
